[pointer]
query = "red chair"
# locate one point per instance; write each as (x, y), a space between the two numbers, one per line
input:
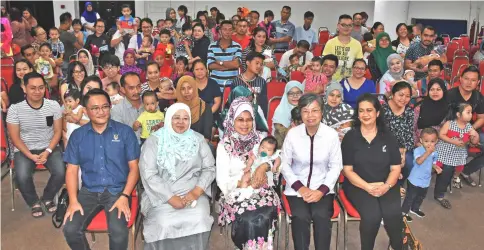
(318, 49)
(481, 68)
(99, 222)
(461, 52)
(451, 48)
(273, 103)
(466, 43)
(3, 143)
(323, 35)
(39, 167)
(7, 70)
(275, 88)
(225, 97)
(278, 56)
(298, 76)
(350, 212)
(446, 38)
(456, 65)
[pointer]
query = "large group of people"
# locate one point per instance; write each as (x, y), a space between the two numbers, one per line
(104, 109)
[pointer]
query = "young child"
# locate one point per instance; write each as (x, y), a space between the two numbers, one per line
(185, 42)
(126, 24)
(418, 182)
(165, 85)
(294, 64)
(143, 54)
(315, 81)
(57, 48)
(164, 45)
(72, 107)
(296, 118)
(368, 38)
(409, 76)
(455, 135)
(113, 91)
(45, 65)
(150, 117)
(266, 153)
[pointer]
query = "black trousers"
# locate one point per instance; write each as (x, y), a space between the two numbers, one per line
(474, 165)
(319, 213)
(372, 210)
(443, 181)
(414, 198)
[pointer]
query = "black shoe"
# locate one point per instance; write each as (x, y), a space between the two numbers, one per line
(419, 213)
(408, 218)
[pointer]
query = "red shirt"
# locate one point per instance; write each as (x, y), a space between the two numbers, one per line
(166, 70)
(243, 43)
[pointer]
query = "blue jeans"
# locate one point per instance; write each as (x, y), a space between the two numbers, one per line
(92, 203)
(24, 171)
(408, 166)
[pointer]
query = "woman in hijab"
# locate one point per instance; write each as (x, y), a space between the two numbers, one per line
(84, 57)
(432, 110)
(201, 114)
(177, 169)
(337, 114)
(281, 121)
(241, 91)
(89, 17)
(392, 75)
(252, 219)
(377, 60)
(171, 14)
(129, 63)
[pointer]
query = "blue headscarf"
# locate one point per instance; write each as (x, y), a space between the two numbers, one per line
(282, 115)
(90, 16)
(174, 148)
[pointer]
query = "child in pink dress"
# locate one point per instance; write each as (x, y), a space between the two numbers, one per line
(315, 81)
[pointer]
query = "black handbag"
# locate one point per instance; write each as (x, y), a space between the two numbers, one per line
(62, 204)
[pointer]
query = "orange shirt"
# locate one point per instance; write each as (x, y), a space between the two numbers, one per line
(243, 42)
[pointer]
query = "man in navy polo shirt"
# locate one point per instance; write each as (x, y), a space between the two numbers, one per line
(107, 154)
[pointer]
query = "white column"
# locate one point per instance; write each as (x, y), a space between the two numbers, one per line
(391, 13)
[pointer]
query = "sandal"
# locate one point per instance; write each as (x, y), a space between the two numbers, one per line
(37, 210)
(468, 179)
(444, 203)
(50, 206)
(456, 183)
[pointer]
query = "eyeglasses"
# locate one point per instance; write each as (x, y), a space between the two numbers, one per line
(104, 108)
(294, 94)
(78, 72)
(308, 112)
(110, 68)
(358, 68)
(346, 25)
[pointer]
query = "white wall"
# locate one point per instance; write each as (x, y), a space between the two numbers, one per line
(70, 6)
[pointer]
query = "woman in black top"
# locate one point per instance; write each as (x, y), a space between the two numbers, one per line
(201, 114)
(76, 72)
(371, 165)
(16, 93)
(201, 43)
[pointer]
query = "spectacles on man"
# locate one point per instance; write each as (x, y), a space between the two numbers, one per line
(109, 68)
(344, 25)
(104, 108)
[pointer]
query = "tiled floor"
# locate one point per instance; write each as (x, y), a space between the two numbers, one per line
(461, 228)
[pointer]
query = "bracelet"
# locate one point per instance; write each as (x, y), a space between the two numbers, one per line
(389, 185)
(125, 195)
(49, 150)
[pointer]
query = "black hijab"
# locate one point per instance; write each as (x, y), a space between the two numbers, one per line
(432, 113)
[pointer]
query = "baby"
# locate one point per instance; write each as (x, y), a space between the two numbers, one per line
(143, 54)
(113, 92)
(266, 153)
(409, 76)
(150, 117)
(166, 86)
(294, 64)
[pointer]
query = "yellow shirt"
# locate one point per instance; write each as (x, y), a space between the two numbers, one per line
(346, 54)
(149, 120)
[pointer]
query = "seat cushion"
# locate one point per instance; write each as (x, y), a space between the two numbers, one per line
(99, 222)
(336, 209)
(350, 209)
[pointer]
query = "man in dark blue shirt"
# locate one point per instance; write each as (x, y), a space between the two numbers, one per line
(107, 154)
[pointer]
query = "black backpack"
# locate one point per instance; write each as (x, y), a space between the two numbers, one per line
(62, 204)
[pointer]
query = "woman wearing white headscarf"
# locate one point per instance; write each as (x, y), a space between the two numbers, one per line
(177, 169)
(393, 74)
(281, 121)
(85, 58)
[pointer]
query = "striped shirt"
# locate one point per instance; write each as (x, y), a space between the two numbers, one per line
(216, 53)
(258, 86)
(36, 124)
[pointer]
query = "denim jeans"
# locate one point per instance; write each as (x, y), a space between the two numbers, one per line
(407, 167)
(24, 171)
(92, 203)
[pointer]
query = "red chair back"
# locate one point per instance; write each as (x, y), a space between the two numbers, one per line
(3, 143)
(273, 103)
(275, 88)
(278, 56)
(7, 70)
(297, 76)
(225, 97)
(451, 48)
(466, 43)
(456, 65)
(318, 49)
(323, 35)
(481, 67)
(446, 38)
(461, 52)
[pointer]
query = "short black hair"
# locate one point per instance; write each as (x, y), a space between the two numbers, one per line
(344, 16)
(115, 85)
(182, 59)
(296, 115)
(169, 20)
(364, 14)
(331, 57)
(98, 21)
(125, 6)
(429, 131)
(373, 99)
(253, 54)
(92, 78)
(152, 63)
(474, 69)
(317, 59)
(54, 28)
(436, 62)
(226, 22)
(308, 14)
(368, 36)
(428, 27)
(24, 48)
(65, 17)
(186, 26)
(357, 14)
(183, 8)
(74, 93)
(32, 75)
(198, 25)
(271, 140)
(165, 32)
(292, 56)
(46, 45)
(95, 92)
(242, 20)
(110, 59)
(146, 20)
(256, 12)
(159, 20)
(127, 74)
(401, 85)
(359, 60)
(303, 44)
(148, 93)
(286, 7)
(213, 9)
(375, 26)
(268, 13)
(76, 21)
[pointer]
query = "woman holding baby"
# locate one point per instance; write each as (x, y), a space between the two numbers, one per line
(253, 219)
(311, 165)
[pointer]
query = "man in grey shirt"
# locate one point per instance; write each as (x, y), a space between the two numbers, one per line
(128, 110)
(358, 30)
(284, 31)
(68, 39)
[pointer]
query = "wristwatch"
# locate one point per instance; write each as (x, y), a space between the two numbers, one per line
(125, 195)
(49, 150)
(389, 185)
(221, 63)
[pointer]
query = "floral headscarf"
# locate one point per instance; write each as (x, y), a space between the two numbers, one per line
(174, 147)
(235, 144)
(129, 68)
(335, 116)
